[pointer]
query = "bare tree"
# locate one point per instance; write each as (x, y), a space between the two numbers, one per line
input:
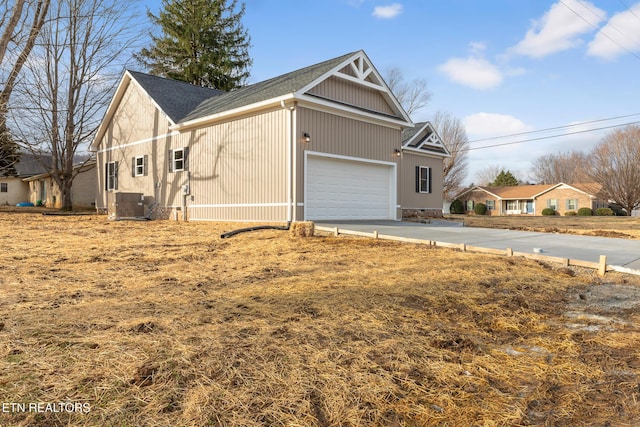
(454, 137)
(615, 165)
(563, 167)
(411, 95)
(20, 24)
(487, 175)
(69, 83)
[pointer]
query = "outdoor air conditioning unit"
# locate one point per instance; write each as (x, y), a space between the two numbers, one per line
(126, 205)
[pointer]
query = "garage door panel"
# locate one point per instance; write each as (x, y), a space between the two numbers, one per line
(347, 189)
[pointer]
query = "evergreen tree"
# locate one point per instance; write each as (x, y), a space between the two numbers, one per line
(504, 178)
(9, 152)
(202, 42)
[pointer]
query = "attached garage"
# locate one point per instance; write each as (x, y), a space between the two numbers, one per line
(346, 188)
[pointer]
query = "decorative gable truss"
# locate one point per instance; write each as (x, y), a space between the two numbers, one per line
(426, 140)
(356, 84)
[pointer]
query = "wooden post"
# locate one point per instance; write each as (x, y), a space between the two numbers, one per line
(375, 234)
(509, 252)
(602, 268)
(335, 232)
(565, 262)
(463, 247)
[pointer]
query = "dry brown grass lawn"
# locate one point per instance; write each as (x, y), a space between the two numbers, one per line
(605, 226)
(165, 324)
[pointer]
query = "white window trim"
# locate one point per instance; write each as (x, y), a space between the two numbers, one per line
(111, 178)
(426, 181)
(139, 167)
(173, 159)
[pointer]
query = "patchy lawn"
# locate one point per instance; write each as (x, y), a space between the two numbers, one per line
(605, 226)
(165, 324)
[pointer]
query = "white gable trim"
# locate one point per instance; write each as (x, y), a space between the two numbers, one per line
(434, 140)
(363, 68)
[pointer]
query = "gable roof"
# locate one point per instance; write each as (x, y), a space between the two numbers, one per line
(189, 106)
(175, 98)
(511, 192)
(423, 138)
(520, 192)
(268, 89)
(30, 165)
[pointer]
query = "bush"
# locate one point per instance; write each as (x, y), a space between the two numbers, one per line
(570, 213)
(480, 209)
(548, 211)
(585, 212)
(457, 207)
(604, 212)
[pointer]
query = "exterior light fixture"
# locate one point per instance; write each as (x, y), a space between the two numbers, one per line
(307, 137)
(397, 152)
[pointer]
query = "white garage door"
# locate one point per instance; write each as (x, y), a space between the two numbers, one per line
(348, 189)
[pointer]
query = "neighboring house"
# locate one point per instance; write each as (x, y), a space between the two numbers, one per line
(13, 189)
(324, 142)
(43, 189)
(532, 199)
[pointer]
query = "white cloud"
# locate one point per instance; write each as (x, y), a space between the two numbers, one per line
(620, 35)
(387, 12)
(482, 125)
(477, 73)
(559, 29)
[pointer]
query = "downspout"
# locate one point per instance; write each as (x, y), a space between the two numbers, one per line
(291, 161)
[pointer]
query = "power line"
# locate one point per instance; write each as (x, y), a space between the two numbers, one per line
(549, 136)
(600, 30)
(554, 128)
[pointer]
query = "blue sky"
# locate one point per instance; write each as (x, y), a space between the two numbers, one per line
(500, 66)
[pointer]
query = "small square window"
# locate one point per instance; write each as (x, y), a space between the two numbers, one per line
(4, 187)
(572, 204)
(491, 205)
(179, 159)
(552, 203)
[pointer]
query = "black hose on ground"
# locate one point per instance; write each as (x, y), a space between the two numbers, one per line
(258, 227)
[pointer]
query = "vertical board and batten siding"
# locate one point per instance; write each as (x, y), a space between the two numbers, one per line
(409, 197)
(239, 169)
(352, 94)
(344, 137)
(129, 133)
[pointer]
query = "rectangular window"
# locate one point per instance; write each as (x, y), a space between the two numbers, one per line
(4, 187)
(512, 205)
(572, 204)
(111, 176)
(179, 159)
(469, 205)
(491, 205)
(423, 179)
(139, 166)
(552, 203)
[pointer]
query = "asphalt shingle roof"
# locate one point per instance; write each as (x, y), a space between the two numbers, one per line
(177, 99)
(262, 91)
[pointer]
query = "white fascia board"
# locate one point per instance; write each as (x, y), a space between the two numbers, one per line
(225, 115)
(547, 190)
(127, 78)
(328, 106)
(108, 115)
(425, 153)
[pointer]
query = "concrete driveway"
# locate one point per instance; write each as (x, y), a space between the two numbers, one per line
(620, 252)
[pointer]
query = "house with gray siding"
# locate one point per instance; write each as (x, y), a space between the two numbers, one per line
(326, 142)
